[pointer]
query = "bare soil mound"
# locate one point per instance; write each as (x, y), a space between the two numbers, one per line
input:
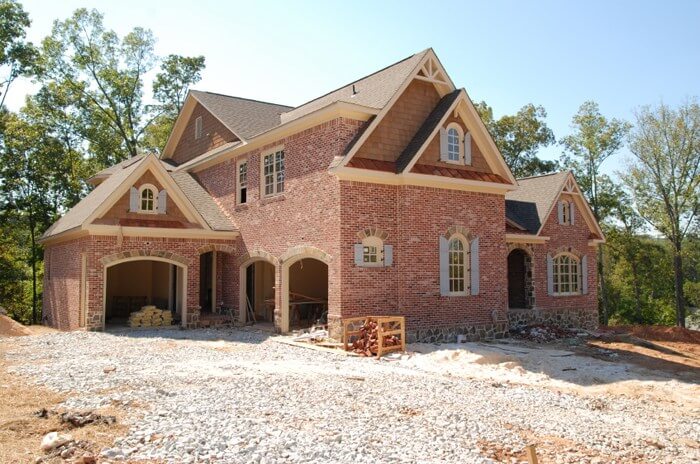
(11, 328)
(657, 333)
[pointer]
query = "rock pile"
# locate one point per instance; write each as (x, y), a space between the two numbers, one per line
(150, 316)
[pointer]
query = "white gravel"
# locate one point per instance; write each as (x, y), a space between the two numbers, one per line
(239, 396)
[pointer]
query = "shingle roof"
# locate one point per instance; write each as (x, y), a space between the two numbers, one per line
(529, 204)
(372, 91)
(79, 213)
(203, 202)
(425, 130)
(112, 169)
(244, 117)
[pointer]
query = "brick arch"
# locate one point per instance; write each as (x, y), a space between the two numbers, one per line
(526, 247)
(372, 232)
(258, 254)
(567, 249)
(105, 260)
(216, 247)
(305, 252)
(459, 230)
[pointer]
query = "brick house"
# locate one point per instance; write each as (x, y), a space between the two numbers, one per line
(385, 196)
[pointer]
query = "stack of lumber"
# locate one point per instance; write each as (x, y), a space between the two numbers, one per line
(367, 342)
(150, 316)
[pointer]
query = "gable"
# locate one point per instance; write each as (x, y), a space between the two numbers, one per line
(119, 214)
(401, 122)
(214, 135)
(431, 155)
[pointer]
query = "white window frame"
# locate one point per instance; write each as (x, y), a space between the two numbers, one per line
(573, 275)
(372, 246)
(239, 185)
(276, 188)
(460, 144)
(198, 128)
(465, 265)
(154, 201)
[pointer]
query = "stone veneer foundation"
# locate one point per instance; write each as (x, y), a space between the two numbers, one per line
(566, 318)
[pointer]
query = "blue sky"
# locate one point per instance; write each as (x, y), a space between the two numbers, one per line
(622, 54)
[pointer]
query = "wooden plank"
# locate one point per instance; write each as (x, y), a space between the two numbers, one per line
(531, 454)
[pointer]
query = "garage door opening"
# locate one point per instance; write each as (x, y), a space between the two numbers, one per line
(308, 293)
(260, 292)
(133, 284)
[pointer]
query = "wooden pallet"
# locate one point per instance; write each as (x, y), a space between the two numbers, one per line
(386, 327)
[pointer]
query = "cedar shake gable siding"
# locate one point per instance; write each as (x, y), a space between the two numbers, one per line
(214, 134)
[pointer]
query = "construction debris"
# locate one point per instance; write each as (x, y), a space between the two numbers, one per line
(77, 419)
(150, 316)
(53, 440)
(542, 333)
(376, 335)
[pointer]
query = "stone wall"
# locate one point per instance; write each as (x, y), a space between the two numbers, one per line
(569, 318)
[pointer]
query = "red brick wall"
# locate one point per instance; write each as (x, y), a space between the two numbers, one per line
(401, 122)
(564, 237)
(62, 273)
(214, 134)
(415, 218)
(306, 214)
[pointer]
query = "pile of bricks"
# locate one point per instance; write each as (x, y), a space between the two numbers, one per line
(150, 316)
(367, 343)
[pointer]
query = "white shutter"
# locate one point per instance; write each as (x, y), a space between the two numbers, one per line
(443, 144)
(444, 267)
(571, 212)
(474, 255)
(358, 254)
(134, 200)
(468, 148)
(584, 275)
(550, 275)
(388, 255)
(162, 202)
(560, 211)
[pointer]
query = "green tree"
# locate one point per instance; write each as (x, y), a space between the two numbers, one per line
(17, 56)
(519, 137)
(664, 177)
(595, 138)
(170, 87)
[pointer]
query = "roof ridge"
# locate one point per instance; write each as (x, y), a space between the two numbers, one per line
(241, 98)
(361, 78)
(543, 175)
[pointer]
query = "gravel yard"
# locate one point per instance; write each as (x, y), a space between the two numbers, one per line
(240, 396)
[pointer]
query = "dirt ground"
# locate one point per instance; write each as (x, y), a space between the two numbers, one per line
(21, 429)
(11, 328)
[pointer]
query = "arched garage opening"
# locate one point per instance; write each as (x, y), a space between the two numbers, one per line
(134, 282)
(260, 291)
(304, 288)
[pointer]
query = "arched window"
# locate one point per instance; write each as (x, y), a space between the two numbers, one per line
(458, 270)
(453, 145)
(566, 273)
(147, 198)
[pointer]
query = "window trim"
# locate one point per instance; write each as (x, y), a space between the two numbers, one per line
(556, 284)
(154, 191)
(373, 241)
(198, 128)
(239, 164)
(460, 144)
(275, 188)
(466, 277)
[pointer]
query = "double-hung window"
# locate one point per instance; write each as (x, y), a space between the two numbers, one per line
(273, 173)
(243, 182)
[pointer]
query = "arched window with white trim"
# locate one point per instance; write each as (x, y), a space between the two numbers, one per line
(459, 265)
(372, 252)
(451, 144)
(147, 198)
(566, 274)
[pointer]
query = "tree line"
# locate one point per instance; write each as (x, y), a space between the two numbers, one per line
(91, 111)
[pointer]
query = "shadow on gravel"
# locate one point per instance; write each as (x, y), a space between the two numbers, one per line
(248, 334)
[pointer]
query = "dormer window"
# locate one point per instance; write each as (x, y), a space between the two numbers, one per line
(147, 196)
(455, 145)
(198, 128)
